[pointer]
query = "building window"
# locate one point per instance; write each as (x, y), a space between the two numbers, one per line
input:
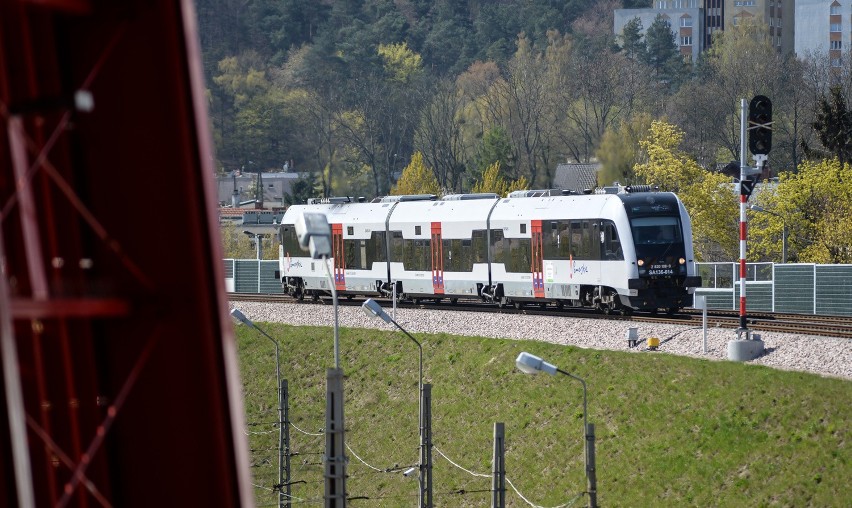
(686, 22)
(662, 4)
(835, 62)
(835, 27)
(835, 9)
(686, 41)
(836, 44)
(744, 3)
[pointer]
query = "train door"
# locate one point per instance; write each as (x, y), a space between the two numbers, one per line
(536, 264)
(339, 259)
(437, 259)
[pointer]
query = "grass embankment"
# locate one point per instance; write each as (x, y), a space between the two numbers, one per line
(671, 431)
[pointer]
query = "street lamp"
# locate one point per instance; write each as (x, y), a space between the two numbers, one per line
(258, 242)
(374, 310)
(239, 316)
(531, 364)
(758, 208)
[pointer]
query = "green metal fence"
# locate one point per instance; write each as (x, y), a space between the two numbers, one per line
(770, 287)
(792, 288)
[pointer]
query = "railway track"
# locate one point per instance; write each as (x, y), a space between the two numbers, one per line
(822, 326)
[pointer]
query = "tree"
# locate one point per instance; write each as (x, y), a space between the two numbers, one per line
(439, 135)
(833, 125)
(416, 178)
(301, 190)
(618, 151)
(495, 147)
(632, 43)
(493, 181)
(663, 53)
(741, 63)
(816, 203)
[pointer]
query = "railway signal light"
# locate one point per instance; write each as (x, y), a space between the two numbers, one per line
(760, 125)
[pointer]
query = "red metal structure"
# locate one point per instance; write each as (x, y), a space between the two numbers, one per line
(119, 384)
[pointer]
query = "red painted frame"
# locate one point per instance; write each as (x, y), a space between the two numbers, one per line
(119, 364)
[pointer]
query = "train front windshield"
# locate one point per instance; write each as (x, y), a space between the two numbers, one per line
(656, 231)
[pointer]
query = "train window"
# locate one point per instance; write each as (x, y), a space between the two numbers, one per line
(497, 247)
(520, 251)
(397, 247)
(479, 246)
(611, 248)
(355, 254)
(523, 228)
(416, 230)
(287, 237)
(418, 255)
(458, 256)
(584, 240)
(656, 230)
(350, 230)
(376, 249)
(558, 243)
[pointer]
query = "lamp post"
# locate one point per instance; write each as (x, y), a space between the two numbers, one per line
(531, 364)
(239, 316)
(758, 208)
(258, 242)
(374, 310)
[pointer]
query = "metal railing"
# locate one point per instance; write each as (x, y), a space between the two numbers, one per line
(800, 288)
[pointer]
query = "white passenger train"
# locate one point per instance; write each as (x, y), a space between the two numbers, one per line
(618, 251)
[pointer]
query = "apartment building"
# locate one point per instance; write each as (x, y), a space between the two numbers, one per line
(686, 20)
(695, 21)
(778, 14)
(824, 28)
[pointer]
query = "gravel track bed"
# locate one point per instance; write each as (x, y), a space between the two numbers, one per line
(819, 355)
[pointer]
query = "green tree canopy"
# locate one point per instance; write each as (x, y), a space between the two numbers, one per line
(619, 150)
(493, 181)
(416, 178)
(632, 40)
(833, 124)
(816, 204)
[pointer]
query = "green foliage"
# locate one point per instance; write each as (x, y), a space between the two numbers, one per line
(416, 178)
(237, 245)
(401, 64)
(619, 148)
(663, 54)
(302, 189)
(632, 43)
(816, 204)
(833, 124)
(663, 163)
(670, 430)
(492, 181)
(494, 147)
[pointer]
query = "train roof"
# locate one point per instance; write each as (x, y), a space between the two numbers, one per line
(557, 207)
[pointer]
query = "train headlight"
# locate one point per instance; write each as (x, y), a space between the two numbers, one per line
(640, 262)
(681, 261)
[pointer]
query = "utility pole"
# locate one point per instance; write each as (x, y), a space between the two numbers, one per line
(498, 467)
(426, 448)
(335, 459)
(284, 447)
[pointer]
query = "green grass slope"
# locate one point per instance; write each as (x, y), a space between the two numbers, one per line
(671, 431)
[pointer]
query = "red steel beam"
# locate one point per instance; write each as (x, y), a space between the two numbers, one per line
(119, 364)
